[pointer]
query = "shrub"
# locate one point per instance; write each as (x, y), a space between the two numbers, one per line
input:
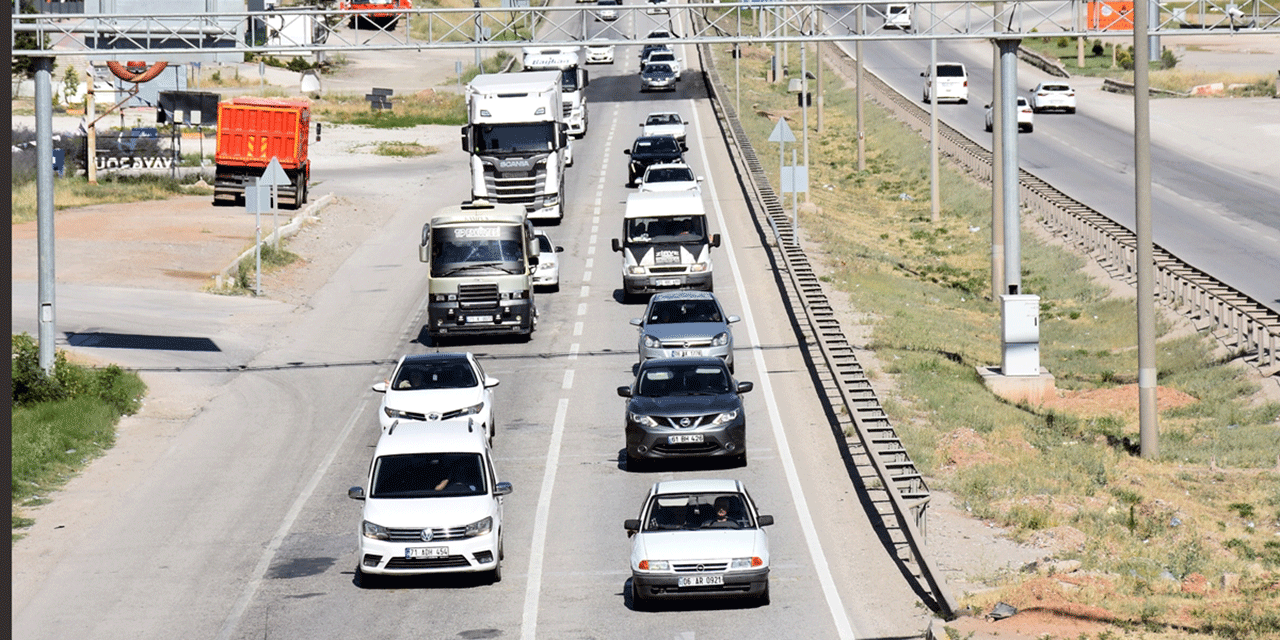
(1097, 49)
(1167, 59)
(31, 385)
(1125, 60)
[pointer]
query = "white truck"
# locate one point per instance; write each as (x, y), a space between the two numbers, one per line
(569, 61)
(518, 141)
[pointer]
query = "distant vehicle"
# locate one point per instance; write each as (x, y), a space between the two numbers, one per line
(434, 504)
(670, 177)
(664, 123)
(251, 131)
(433, 387)
(548, 271)
(657, 6)
(659, 34)
(698, 539)
(657, 77)
(647, 150)
(1025, 118)
(608, 10)
(685, 324)
(1052, 96)
(650, 48)
(380, 13)
(685, 408)
(598, 53)
(664, 57)
(897, 16)
(953, 82)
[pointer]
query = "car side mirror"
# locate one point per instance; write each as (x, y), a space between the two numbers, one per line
(746, 387)
(490, 382)
(624, 392)
(626, 152)
(923, 74)
(636, 322)
(987, 107)
(715, 239)
(632, 526)
(764, 521)
(502, 489)
(380, 387)
(559, 249)
(733, 319)
(356, 493)
(617, 246)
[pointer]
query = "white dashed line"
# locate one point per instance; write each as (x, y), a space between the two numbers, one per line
(568, 380)
(577, 328)
(573, 350)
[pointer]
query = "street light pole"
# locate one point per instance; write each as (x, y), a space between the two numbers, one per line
(476, 3)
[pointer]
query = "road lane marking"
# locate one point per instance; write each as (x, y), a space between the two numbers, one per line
(573, 350)
(586, 291)
(838, 614)
(577, 328)
(529, 622)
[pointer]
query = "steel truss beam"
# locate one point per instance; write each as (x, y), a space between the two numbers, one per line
(123, 37)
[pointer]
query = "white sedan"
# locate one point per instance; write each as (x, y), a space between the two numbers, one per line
(547, 273)
(1053, 95)
(599, 53)
(676, 176)
(664, 123)
(698, 539)
(434, 387)
(1026, 120)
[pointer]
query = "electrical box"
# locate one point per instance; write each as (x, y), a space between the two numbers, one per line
(1020, 335)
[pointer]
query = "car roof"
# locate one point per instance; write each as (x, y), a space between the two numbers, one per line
(699, 485)
(664, 296)
(457, 435)
(662, 113)
(684, 362)
(669, 165)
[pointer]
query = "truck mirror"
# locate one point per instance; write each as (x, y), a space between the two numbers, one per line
(617, 246)
(715, 239)
(318, 126)
(424, 249)
(586, 77)
(466, 140)
(564, 135)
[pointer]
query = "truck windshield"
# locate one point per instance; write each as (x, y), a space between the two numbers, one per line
(515, 138)
(667, 229)
(476, 249)
(568, 80)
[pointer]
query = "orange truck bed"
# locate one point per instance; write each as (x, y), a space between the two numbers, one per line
(252, 130)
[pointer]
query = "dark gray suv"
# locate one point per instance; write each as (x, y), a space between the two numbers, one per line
(685, 407)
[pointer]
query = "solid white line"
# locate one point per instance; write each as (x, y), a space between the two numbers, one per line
(264, 561)
(838, 614)
(529, 623)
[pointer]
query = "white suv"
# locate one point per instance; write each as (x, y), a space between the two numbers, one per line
(437, 386)
(434, 503)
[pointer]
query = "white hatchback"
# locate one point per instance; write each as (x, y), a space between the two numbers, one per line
(698, 539)
(599, 53)
(437, 386)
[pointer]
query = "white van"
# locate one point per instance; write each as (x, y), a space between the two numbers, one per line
(666, 243)
(953, 82)
(897, 16)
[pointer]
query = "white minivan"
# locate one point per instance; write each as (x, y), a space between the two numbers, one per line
(897, 16)
(666, 243)
(953, 82)
(434, 503)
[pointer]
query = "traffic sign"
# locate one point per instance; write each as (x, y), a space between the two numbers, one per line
(782, 132)
(274, 176)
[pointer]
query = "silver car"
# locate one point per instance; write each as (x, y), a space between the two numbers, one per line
(685, 324)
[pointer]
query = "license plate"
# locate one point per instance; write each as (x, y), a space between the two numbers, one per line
(426, 552)
(471, 319)
(700, 581)
(667, 282)
(685, 439)
(686, 353)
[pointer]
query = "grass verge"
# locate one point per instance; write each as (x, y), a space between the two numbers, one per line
(75, 191)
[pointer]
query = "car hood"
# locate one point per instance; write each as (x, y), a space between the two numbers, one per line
(669, 186)
(410, 513)
(434, 400)
(658, 75)
(705, 330)
(705, 544)
(684, 405)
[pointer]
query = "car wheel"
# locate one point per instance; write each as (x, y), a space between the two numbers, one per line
(1031, 128)
(1071, 110)
(366, 580)
(634, 464)
(740, 460)
(495, 576)
(987, 126)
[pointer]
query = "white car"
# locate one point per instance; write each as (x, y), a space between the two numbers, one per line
(953, 82)
(434, 504)
(897, 16)
(547, 273)
(434, 387)
(698, 539)
(608, 10)
(599, 53)
(664, 123)
(1052, 96)
(1026, 120)
(670, 177)
(657, 6)
(666, 57)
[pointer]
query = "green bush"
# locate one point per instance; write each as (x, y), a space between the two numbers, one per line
(31, 385)
(1167, 59)
(1097, 49)
(1125, 60)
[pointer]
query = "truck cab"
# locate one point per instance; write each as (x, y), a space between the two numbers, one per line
(569, 61)
(666, 243)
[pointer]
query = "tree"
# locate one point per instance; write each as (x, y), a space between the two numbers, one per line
(24, 66)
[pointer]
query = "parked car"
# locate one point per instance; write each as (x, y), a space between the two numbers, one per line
(676, 176)
(684, 324)
(599, 53)
(437, 386)
(434, 504)
(897, 16)
(1053, 95)
(682, 408)
(953, 82)
(664, 123)
(698, 539)
(547, 273)
(1025, 118)
(608, 10)
(648, 150)
(657, 77)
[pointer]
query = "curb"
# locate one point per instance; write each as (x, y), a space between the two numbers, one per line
(310, 214)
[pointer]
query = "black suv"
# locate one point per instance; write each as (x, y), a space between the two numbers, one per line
(685, 407)
(647, 150)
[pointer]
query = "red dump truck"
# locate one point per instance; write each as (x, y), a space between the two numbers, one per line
(251, 131)
(382, 13)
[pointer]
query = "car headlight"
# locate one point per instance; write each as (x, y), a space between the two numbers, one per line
(479, 527)
(698, 267)
(654, 565)
(727, 416)
(465, 411)
(544, 266)
(720, 340)
(643, 420)
(396, 414)
(375, 531)
(651, 342)
(746, 563)
(636, 270)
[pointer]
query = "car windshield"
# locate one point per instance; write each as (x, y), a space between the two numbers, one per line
(694, 511)
(657, 145)
(667, 229)
(663, 118)
(428, 475)
(669, 174)
(683, 380)
(678, 311)
(662, 56)
(417, 375)
(514, 138)
(653, 69)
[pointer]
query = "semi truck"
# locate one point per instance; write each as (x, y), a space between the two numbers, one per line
(251, 131)
(380, 13)
(569, 61)
(482, 257)
(518, 142)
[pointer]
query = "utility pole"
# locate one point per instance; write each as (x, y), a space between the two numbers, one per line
(1148, 428)
(857, 82)
(44, 211)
